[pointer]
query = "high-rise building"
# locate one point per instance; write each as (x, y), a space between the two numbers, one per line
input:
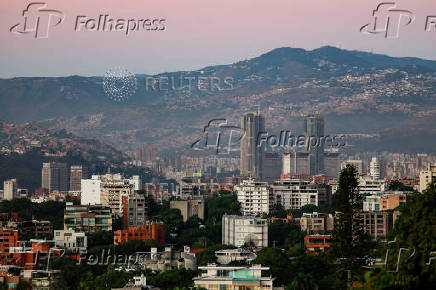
(240, 230)
(88, 218)
(295, 193)
(10, 189)
(109, 190)
(426, 177)
(314, 128)
(358, 164)
(54, 176)
(296, 163)
(272, 167)
(251, 154)
(332, 164)
(77, 173)
(374, 168)
(145, 153)
(135, 210)
(255, 197)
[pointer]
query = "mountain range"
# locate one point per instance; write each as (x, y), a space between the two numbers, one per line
(383, 97)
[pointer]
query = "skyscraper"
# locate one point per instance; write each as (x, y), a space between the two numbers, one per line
(77, 173)
(54, 176)
(251, 154)
(314, 128)
(374, 168)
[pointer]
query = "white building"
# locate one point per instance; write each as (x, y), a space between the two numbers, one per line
(233, 277)
(240, 230)
(369, 186)
(254, 196)
(374, 168)
(71, 240)
(294, 193)
(356, 163)
(226, 256)
(109, 190)
(10, 189)
(371, 203)
(426, 177)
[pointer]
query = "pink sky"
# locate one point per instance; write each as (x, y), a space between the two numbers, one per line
(200, 33)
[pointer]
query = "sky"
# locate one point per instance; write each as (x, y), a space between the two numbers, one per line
(197, 33)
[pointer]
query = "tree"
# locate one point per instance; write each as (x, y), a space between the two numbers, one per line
(278, 263)
(350, 244)
(222, 202)
(415, 233)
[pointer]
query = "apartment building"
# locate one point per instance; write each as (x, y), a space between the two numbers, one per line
(10, 189)
(134, 210)
(71, 240)
(317, 243)
(294, 193)
(87, 218)
(426, 177)
(233, 277)
(255, 197)
(377, 224)
(152, 231)
(240, 230)
(316, 223)
(108, 190)
(189, 208)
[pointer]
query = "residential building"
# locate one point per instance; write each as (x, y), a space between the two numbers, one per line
(317, 243)
(8, 239)
(71, 240)
(77, 173)
(87, 218)
(189, 208)
(240, 230)
(108, 190)
(296, 163)
(10, 189)
(134, 210)
(371, 203)
(377, 224)
(35, 230)
(168, 259)
(255, 197)
(332, 164)
(374, 168)
(230, 255)
(391, 200)
(233, 277)
(426, 177)
(316, 223)
(54, 176)
(152, 231)
(294, 193)
(251, 152)
(272, 167)
(369, 186)
(358, 164)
